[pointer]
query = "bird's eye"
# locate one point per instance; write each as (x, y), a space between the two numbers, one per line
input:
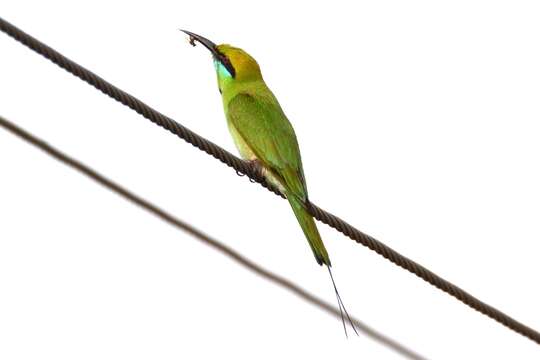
(227, 65)
(225, 68)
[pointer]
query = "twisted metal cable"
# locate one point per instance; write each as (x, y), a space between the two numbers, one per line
(244, 168)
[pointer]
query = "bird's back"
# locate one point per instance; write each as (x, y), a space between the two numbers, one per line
(257, 122)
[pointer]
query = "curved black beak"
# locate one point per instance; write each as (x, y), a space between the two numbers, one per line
(204, 41)
(213, 49)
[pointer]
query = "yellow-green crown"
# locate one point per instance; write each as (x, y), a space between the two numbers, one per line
(245, 66)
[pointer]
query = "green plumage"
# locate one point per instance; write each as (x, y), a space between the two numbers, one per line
(263, 135)
(262, 132)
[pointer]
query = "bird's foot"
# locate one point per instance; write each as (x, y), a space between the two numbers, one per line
(257, 168)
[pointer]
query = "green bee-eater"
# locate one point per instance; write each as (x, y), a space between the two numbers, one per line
(263, 134)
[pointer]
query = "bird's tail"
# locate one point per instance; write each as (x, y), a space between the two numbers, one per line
(310, 230)
(312, 234)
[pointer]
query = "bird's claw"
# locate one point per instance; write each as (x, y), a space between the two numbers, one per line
(257, 168)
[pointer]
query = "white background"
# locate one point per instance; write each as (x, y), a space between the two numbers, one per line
(418, 123)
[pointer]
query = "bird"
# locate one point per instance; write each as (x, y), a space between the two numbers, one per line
(265, 137)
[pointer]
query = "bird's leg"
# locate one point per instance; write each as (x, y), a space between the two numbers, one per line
(257, 167)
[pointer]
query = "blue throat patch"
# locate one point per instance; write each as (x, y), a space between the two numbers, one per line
(222, 70)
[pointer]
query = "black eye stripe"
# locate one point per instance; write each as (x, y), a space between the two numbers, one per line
(227, 63)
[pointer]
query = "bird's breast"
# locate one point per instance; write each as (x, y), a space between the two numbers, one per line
(243, 148)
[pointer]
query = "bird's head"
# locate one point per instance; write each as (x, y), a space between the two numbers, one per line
(232, 64)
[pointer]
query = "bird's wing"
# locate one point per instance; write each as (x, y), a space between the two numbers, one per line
(266, 130)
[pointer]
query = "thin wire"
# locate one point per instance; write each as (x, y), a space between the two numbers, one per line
(206, 239)
(244, 168)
